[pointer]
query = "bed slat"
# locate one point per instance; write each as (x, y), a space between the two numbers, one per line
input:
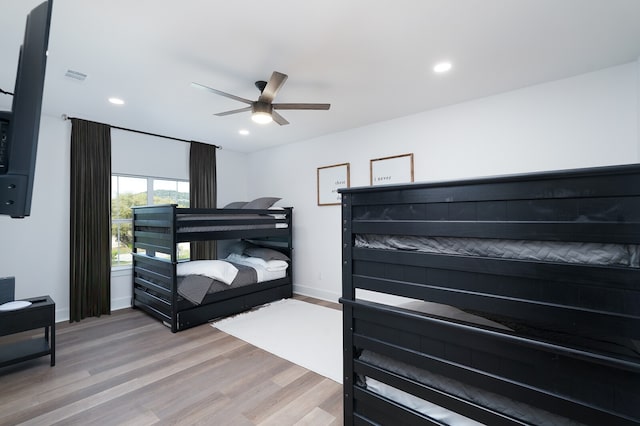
(621, 233)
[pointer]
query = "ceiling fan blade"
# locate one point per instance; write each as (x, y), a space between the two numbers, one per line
(218, 92)
(302, 106)
(273, 86)
(235, 111)
(279, 119)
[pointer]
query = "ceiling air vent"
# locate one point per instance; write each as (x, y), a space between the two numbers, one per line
(76, 75)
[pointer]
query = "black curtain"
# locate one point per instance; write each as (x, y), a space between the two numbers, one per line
(202, 191)
(90, 254)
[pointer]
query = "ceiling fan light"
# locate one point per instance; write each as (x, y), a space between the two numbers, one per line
(261, 117)
(261, 112)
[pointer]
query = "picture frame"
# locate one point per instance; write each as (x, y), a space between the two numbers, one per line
(330, 179)
(390, 170)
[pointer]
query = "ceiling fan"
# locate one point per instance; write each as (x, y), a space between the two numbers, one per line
(264, 110)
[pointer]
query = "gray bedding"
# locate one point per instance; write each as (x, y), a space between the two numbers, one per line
(545, 251)
(194, 288)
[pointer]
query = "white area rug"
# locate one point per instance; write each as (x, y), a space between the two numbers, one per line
(303, 333)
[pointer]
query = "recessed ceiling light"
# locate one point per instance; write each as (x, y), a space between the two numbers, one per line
(442, 67)
(243, 132)
(116, 101)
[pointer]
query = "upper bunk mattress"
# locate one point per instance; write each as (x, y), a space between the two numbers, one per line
(219, 222)
(542, 251)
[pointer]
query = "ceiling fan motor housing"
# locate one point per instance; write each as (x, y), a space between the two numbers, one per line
(261, 107)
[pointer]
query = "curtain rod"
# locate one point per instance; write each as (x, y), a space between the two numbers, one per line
(66, 117)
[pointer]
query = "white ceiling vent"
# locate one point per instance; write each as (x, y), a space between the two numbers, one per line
(76, 75)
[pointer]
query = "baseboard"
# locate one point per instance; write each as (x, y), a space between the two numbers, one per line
(120, 303)
(317, 293)
(62, 315)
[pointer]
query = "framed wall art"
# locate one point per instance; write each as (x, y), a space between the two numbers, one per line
(388, 170)
(330, 179)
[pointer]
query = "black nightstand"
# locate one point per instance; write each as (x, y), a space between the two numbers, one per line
(40, 314)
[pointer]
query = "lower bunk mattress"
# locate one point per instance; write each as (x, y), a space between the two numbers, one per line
(198, 279)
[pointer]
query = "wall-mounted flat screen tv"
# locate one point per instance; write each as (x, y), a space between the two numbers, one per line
(19, 128)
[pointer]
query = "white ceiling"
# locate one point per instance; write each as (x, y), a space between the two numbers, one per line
(371, 60)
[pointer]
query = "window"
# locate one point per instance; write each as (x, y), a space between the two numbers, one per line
(129, 191)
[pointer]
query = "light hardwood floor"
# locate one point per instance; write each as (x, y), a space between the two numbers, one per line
(128, 369)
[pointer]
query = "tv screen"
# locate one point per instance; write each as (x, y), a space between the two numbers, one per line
(19, 127)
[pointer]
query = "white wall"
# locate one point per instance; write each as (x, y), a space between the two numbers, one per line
(36, 249)
(588, 120)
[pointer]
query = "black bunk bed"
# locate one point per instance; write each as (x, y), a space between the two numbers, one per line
(157, 231)
(523, 300)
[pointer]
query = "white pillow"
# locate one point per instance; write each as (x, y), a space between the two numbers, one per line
(277, 265)
(237, 258)
(216, 269)
(278, 216)
(270, 265)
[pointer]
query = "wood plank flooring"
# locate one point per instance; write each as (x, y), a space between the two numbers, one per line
(128, 369)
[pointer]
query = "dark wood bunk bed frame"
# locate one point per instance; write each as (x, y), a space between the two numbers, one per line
(571, 380)
(157, 230)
